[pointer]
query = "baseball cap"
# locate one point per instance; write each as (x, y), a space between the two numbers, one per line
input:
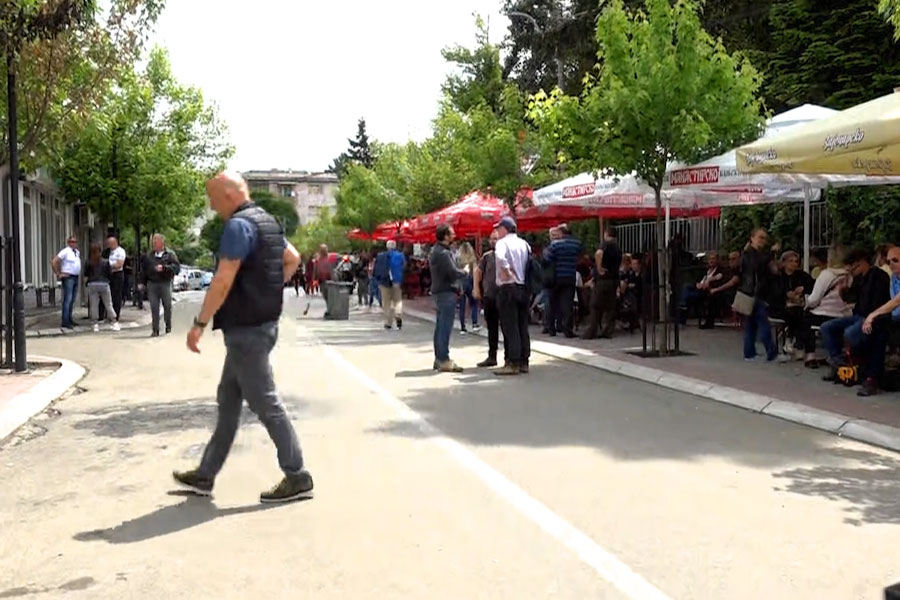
(506, 222)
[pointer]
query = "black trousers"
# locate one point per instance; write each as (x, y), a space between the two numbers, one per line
(492, 320)
(117, 288)
(512, 301)
(603, 309)
(807, 335)
(561, 300)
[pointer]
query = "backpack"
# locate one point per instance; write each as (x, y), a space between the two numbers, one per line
(534, 276)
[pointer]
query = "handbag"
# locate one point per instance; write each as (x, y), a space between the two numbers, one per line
(743, 303)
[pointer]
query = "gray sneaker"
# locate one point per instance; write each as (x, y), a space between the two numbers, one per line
(290, 489)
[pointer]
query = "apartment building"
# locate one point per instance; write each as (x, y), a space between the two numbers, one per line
(312, 193)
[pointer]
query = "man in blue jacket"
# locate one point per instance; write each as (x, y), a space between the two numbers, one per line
(388, 271)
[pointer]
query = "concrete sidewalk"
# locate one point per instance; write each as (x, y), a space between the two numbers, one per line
(45, 322)
(717, 371)
(23, 395)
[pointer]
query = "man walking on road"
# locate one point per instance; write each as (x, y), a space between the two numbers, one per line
(563, 254)
(512, 254)
(445, 276)
(117, 278)
(67, 266)
(245, 301)
(159, 269)
(486, 291)
(389, 272)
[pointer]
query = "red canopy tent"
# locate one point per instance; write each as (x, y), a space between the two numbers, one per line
(395, 230)
(472, 215)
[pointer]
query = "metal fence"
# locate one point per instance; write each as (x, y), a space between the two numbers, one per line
(705, 234)
(701, 234)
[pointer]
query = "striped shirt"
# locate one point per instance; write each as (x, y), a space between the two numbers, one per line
(564, 253)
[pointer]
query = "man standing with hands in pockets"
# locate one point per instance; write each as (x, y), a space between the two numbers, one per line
(244, 300)
(511, 256)
(159, 269)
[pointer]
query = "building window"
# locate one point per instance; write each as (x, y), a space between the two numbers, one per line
(286, 191)
(315, 190)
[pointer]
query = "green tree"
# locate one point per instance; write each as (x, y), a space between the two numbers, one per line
(145, 159)
(890, 10)
(368, 197)
(479, 76)
(324, 230)
(64, 79)
(359, 152)
(665, 90)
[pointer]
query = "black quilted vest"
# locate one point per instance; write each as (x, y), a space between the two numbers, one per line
(257, 293)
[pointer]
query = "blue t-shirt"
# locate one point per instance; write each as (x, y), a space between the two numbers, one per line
(238, 239)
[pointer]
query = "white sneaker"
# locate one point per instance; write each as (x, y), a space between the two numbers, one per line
(116, 326)
(96, 327)
(476, 327)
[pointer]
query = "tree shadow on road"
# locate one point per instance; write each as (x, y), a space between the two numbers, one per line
(560, 404)
(868, 485)
(191, 512)
(128, 420)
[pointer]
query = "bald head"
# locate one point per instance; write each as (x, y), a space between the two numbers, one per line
(227, 191)
(893, 259)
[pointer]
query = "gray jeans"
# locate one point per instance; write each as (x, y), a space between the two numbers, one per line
(98, 291)
(156, 291)
(247, 375)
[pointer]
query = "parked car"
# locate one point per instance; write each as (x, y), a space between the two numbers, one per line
(179, 283)
(207, 279)
(194, 279)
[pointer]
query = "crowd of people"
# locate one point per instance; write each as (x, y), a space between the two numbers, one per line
(104, 274)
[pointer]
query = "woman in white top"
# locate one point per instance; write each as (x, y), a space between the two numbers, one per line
(825, 302)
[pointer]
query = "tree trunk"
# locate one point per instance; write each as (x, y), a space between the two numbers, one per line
(662, 268)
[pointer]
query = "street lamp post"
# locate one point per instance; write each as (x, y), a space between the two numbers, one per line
(18, 303)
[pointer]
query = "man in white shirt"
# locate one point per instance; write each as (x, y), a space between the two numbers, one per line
(67, 266)
(117, 278)
(512, 255)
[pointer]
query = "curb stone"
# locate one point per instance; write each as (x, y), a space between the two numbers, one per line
(22, 407)
(143, 321)
(860, 430)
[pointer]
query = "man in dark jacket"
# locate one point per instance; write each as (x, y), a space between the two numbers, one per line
(563, 254)
(757, 271)
(245, 299)
(871, 289)
(605, 282)
(445, 277)
(159, 268)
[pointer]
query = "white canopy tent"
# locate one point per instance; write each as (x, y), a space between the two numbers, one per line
(721, 173)
(584, 190)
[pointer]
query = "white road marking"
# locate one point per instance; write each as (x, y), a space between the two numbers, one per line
(590, 552)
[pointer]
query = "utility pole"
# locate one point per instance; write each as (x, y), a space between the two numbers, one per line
(18, 323)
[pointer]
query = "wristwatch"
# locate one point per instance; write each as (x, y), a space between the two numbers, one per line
(197, 323)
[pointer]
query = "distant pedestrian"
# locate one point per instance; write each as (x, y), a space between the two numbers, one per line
(467, 260)
(445, 277)
(605, 279)
(513, 297)
(389, 268)
(67, 267)
(97, 274)
(486, 291)
(245, 300)
(362, 279)
(117, 278)
(563, 253)
(159, 269)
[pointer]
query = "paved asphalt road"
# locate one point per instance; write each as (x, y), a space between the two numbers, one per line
(567, 483)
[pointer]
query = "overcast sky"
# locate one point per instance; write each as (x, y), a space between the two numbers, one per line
(292, 77)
